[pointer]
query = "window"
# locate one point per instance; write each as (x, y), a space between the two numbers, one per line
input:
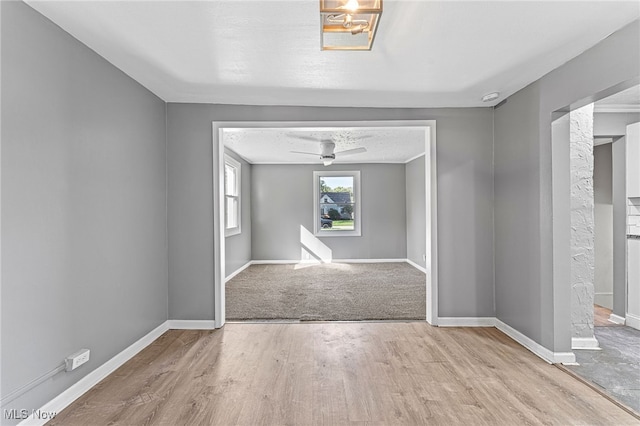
(232, 219)
(337, 204)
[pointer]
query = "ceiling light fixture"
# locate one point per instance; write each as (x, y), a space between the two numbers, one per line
(349, 24)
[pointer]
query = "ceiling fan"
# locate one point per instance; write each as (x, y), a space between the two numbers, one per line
(327, 149)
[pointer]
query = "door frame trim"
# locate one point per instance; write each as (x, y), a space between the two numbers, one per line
(431, 235)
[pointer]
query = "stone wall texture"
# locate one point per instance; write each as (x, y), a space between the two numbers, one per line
(582, 222)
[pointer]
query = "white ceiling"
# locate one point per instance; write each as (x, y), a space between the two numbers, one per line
(274, 145)
(426, 53)
(626, 99)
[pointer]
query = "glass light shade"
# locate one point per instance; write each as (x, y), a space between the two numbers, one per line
(349, 24)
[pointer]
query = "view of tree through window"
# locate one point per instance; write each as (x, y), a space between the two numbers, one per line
(337, 203)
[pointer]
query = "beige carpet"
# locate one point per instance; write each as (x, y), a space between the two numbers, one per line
(327, 292)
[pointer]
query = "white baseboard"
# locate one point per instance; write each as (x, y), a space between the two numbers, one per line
(312, 261)
(415, 265)
(280, 262)
(369, 260)
(76, 390)
(617, 319)
(466, 322)
(237, 271)
(632, 321)
(191, 324)
(530, 344)
(536, 348)
(286, 262)
(590, 343)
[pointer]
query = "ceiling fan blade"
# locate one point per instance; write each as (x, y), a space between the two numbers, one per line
(351, 151)
(310, 138)
(306, 153)
(357, 138)
(306, 138)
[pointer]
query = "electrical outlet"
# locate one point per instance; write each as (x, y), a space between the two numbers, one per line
(77, 359)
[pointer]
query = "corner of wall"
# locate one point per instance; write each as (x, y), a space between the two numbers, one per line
(166, 197)
(493, 199)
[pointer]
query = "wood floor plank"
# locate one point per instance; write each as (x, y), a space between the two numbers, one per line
(601, 317)
(339, 374)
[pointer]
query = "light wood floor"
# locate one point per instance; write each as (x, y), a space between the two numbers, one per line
(601, 317)
(339, 373)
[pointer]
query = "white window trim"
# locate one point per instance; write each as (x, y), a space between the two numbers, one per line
(228, 232)
(318, 231)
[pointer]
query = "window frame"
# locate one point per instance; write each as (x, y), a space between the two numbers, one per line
(232, 162)
(357, 223)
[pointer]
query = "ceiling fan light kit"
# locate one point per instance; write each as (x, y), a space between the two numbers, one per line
(349, 24)
(327, 156)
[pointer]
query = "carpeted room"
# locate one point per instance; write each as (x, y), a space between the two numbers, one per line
(327, 292)
(281, 263)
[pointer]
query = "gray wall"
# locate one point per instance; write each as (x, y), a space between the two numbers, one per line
(283, 201)
(84, 259)
(527, 298)
(238, 247)
(603, 224)
(86, 207)
(416, 211)
(465, 199)
(516, 212)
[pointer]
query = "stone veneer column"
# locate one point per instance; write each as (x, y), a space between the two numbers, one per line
(582, 228)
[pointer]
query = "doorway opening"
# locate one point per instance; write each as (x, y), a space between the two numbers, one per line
(593, 232)
(310, 239)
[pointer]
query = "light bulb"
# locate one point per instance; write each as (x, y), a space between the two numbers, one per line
(352, 5)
